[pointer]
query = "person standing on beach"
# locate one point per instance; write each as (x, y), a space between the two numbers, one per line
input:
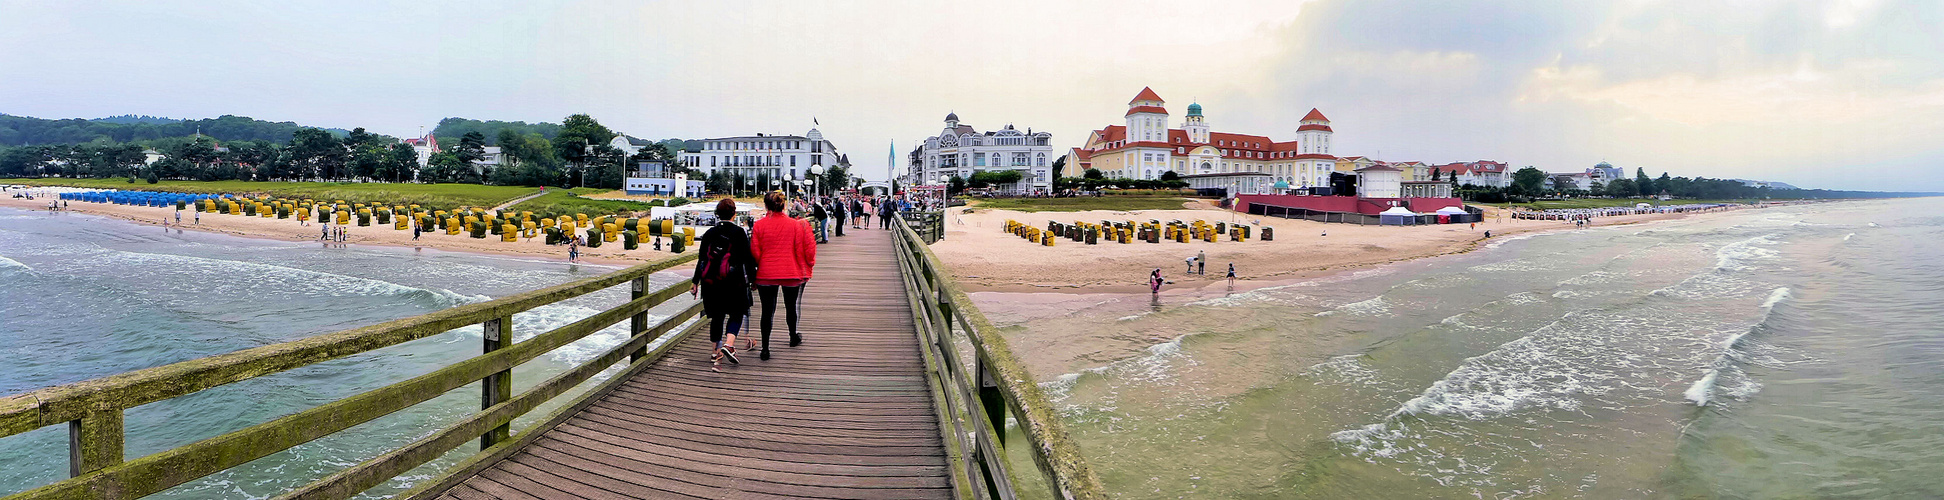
(573, 249)
(178, 217)
(1201, 257)
(724, 270)
(1231, 275)
(785, 253)
(1154, 282)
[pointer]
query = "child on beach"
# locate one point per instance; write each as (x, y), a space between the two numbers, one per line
(1231, 274)
(1154, 282)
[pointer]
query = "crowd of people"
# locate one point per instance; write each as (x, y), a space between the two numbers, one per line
(773, 259)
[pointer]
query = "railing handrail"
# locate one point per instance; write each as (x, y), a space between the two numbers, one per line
(1055, 454)
(94, 408)
(62, 403)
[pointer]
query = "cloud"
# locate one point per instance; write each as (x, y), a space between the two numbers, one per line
(1783, 90)
(1769, 90)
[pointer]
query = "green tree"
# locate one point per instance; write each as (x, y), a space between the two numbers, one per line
(579, 134)
(955, 185)
(472, 147)
(835, 177)
(317, 153)
(1642, 183)
(401, 161)
(1528, 180)
(1059, 166)
(1622, 188)
(1170, 176)
(1093, 173)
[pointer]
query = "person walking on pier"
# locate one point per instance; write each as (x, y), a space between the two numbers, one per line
(839, 213)
(822, 217)
(785, 252)
(724, 271)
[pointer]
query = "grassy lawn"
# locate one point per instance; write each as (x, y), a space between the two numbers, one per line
(442, 196)
(568, 201)
(1118, 203)
(1600, 203)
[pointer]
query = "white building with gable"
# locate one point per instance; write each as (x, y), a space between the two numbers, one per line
(960, 150)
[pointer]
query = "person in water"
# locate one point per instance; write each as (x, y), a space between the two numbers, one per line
(1154, 281)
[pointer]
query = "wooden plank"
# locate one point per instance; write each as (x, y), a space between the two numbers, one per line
(846, 415)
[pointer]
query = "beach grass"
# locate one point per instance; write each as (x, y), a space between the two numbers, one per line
(1081, 204)
(441, 196)
(1598, 203)
(569, 201)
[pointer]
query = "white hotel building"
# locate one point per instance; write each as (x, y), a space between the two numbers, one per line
(960, 150)
(1145, 147)
(776, 156)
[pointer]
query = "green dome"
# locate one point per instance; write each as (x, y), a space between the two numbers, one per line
(1194, 109)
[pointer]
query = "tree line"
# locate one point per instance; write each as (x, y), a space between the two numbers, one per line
(30, 131)
(578, 153)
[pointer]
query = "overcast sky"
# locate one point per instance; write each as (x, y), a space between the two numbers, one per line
(1845, 94)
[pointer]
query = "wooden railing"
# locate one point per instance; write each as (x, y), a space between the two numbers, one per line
(93, 409)
(973, 399)
(930, 225)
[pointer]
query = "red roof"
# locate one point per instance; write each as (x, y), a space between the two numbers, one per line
(1315, 115)
(1147, 109)
(1312, 126)
(1147, 94)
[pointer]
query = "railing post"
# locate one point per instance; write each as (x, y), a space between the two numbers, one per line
(95, 441)
(993, 401)
(498, 387)
(944, 330)
(639, 323)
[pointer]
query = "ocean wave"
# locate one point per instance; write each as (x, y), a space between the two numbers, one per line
(6, 263)
(1701, 392)
(271, 276)
(1743, 255)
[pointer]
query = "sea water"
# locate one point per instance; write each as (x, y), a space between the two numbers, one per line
(1782, 352)
(84, 297)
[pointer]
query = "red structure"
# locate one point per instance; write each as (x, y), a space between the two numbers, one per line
(1349, 204)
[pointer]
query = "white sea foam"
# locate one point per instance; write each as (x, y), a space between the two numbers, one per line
(271, 277)
(1373, 306)
(1743, 255)
(1702, 391)
(1847, 237)
(6, 263)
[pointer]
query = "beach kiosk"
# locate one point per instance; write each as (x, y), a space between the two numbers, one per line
(1449, 215)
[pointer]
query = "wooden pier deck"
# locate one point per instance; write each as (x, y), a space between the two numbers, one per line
(846, 415)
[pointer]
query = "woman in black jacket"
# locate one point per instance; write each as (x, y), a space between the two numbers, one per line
(724, 271)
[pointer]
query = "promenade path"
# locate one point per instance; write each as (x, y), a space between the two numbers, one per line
(846, 415)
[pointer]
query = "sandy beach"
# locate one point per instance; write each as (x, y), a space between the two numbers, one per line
(985, 258)
(375, 234)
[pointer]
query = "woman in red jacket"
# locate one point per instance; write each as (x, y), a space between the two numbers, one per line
(784, 252)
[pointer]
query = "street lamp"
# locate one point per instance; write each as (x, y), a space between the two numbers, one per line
(815, 170)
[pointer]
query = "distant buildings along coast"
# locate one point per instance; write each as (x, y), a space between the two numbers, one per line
(962, 151)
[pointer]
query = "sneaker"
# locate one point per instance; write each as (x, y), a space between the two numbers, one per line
(730, 352)
(795, 340)
(765, 355)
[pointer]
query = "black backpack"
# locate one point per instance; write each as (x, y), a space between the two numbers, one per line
(719, 265)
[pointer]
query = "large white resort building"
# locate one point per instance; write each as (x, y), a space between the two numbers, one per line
(761, 155)
(960, 150)
(1146, 147)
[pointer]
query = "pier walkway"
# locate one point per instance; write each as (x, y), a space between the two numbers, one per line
(846, 415)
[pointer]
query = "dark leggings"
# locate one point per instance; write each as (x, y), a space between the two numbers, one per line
(717, 326)
(791, 294)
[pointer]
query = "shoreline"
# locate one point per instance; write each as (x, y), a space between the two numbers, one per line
(985, 259)
(381, 236)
